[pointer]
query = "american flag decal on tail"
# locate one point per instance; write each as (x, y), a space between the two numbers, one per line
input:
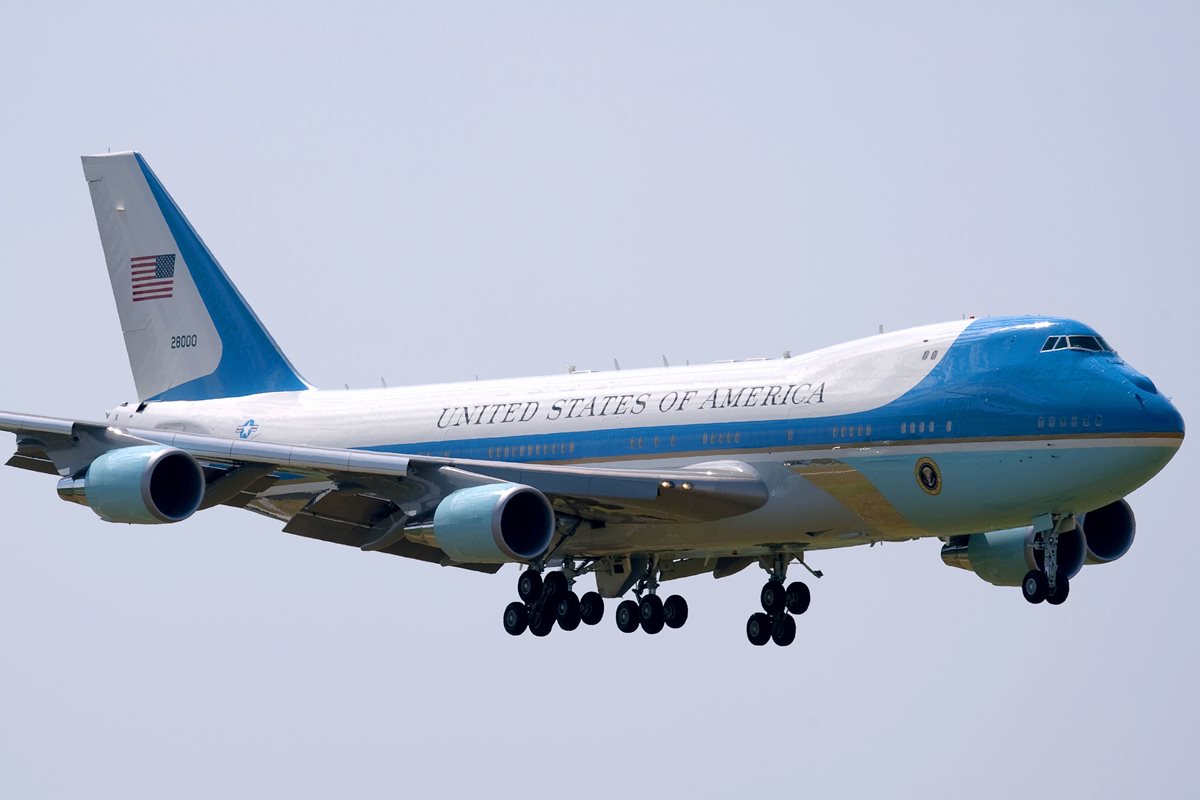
(153, 277)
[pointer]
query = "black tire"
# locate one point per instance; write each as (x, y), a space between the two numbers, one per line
(1035, 586)
(650, 611)
(1062, 587)
(798, 597)
(783, 629)
(591, 608)
(555, 587)
(773, 597)
(529, 585)
(758, 629)
(567, 612)
(541, 622)
(675, 611)
(628, 616)
(516, 618)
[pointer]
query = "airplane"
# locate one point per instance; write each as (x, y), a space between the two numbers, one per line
(1013, 440)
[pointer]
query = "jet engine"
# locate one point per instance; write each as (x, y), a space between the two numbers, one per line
(494, 524)
(1109, 532)
(1003, 557)
(141, 485)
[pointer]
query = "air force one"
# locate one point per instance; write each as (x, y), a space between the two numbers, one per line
(1013, 440)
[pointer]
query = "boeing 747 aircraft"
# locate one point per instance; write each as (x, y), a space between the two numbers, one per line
(1013, 440)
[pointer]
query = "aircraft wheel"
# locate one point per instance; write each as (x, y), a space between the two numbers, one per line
(798, 597)
(675, 611)
(628, 616)
(591, 608)
(568, 612)
(529, 585)
(516, 618)
(783, 630)
(773, 597)
(555, 586)
(1035, 586)
(541, 622)
(1062, 587)
(650, 610)
(758, 629)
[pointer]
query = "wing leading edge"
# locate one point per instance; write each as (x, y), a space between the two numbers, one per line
(385, 501)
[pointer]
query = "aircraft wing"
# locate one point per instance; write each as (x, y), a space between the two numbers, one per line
(375, 500)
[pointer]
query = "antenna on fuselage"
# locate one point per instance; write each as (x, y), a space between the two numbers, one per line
(382, 382)
(665, 364)
(616, 366)
(881, 327)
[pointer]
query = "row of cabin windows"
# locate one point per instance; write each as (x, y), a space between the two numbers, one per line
(721, 438)
(921, 427)
(526, 450)
(639, 442)
(846, 431)
(1061, 422)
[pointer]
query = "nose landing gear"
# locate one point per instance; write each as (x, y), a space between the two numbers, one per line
(1049, 583)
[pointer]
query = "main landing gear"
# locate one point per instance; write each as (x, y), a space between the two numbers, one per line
(1049, 583)
(545, 601)
(776, 621)
(649, 612)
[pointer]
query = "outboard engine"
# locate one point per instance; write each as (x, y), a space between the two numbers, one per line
(140, 485)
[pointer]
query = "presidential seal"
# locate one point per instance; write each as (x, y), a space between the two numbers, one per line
(929, 477)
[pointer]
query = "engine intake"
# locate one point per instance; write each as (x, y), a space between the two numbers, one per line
(139, 485)
(1109, 532)
(494, 524)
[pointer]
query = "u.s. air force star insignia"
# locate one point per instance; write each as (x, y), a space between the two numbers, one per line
(929, 477)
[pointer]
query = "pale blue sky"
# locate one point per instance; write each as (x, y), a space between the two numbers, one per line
(434, 193)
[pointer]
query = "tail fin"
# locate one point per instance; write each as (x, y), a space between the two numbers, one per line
(189, 332)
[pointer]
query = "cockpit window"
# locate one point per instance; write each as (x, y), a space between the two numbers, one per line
(1086, 342)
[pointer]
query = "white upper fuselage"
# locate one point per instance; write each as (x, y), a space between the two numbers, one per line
(835, 434)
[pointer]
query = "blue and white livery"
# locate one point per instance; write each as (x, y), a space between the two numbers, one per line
(1013, 440)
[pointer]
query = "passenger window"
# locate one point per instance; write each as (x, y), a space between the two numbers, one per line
(933, 355)
(925, 355)
(903, 427)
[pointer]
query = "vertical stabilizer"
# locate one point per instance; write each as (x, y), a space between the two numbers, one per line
(190, 334)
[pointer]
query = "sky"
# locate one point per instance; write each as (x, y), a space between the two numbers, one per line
(435, 192)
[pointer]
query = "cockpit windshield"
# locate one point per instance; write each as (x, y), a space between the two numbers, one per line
(1087, 342)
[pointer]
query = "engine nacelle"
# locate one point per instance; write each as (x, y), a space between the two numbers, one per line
(494, 524)
(1003, 557)
(140, 485)
(1108, 532)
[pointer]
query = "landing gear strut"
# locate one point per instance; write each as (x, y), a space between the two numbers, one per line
(1049, 583)
(775, 622)
(649, 612)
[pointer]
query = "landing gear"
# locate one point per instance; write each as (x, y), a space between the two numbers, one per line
(1050, 583)
(675, 611)
(516, 618)
(550, 599)
(775, 622)
(649, 612)
(628, 616)
(591, 608)
(758, 629)
(1035, 586)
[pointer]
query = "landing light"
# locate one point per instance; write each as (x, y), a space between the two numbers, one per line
(685, 486)
(667, 485)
